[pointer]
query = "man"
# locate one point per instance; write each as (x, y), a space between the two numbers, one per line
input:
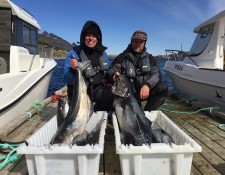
(91, 49)
(141, 69)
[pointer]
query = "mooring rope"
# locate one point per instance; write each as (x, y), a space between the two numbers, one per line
(11, 157)
(187, 112)
(38, 106)
(222, 127)
(29, 114)
(188, 101)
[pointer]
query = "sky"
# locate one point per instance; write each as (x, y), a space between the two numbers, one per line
(168, 23)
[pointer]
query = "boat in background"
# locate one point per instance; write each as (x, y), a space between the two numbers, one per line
(24, 74)
(202, 73)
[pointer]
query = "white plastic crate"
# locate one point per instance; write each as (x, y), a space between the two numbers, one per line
(158, 158)
(43, 159)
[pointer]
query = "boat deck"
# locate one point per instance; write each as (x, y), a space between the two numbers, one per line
(202, 127)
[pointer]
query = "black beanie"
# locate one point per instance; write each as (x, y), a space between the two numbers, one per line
(93, 30)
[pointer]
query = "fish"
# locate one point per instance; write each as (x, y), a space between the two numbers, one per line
(160, 135)
(79, 112)
(89, 136)
(135, 126)
(62, 109)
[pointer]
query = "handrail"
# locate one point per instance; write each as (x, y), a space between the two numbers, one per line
(50, 56)
(174, 52)
(31, 64)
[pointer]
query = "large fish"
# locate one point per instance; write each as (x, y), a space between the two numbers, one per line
(132, 120)
(79, 112)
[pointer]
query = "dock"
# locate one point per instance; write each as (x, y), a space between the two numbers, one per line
(201, 126)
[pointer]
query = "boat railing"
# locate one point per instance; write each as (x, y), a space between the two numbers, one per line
(174, 54)
(32, 61)
(46, 52)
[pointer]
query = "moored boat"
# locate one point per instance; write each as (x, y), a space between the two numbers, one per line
(24, 74)
(201, 74)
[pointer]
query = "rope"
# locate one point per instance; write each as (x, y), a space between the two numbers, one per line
(29, 114)
(36, 104)
(185, 112)
(187, 101)
(222, 127)
(10, 158)
(12, 155)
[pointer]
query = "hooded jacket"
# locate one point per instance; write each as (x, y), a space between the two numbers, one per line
(93, 54)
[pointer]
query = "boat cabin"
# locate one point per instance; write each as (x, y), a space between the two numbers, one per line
(17, 28)
(208, 50)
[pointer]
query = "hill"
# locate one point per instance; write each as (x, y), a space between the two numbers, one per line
(50, 40)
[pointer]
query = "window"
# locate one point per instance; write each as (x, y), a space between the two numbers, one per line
(33, 38)
(29, 36)
(30, 39)
(202, 39)
(26, 35)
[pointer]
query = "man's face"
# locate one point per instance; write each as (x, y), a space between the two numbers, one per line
(137, 45)
(90, 40)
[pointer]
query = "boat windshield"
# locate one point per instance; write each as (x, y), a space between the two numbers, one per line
(201, 41)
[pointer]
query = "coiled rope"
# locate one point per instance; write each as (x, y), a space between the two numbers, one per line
(188, 102)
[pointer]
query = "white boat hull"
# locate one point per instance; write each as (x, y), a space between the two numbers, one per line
(24, 73)
(206, 85)
(21, 90)
(201, 74)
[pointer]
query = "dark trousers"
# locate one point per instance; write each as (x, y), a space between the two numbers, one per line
(103, 98)
(157, 97)
(101, 95)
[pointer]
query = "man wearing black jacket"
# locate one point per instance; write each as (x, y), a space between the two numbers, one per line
(141, 69)
(96, 74)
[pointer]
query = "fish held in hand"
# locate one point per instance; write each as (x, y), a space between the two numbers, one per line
(79, 112)
(132, 120)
